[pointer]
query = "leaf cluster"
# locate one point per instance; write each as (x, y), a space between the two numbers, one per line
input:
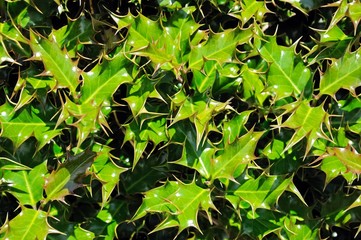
(180, 119)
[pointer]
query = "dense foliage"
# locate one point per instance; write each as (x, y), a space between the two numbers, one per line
(180, 119)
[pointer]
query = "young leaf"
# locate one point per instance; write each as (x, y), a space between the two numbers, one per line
(343, 73)
(68, 176)
(56, 61)
(178, 202)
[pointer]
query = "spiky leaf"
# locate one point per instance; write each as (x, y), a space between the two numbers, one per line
(179, 202)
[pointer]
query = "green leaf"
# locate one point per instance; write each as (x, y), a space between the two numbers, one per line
(70, 37)
(260, 223)
(104, 79)
(141, 30)
(56, 61)
(28, 224)
(333, 168)
(352, 113)
(354, 13)
(234, 158)
(178, 202)
(139, 92)
(205, 79)
(27, 186)
(300, 231)
(23, 124)
(249, 9)
(287, 74)
(198, 157)
(106, 171)
(349, 157)
(264, 191)
(141, 133)
(343, 73)
(9, 164)
(68, 176)
(219, 47)
(307, 122)
(234, 127)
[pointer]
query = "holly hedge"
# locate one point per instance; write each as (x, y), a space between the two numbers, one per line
(166, 119)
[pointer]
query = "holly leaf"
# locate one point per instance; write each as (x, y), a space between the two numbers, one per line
(264, 191)
(344, 73)
(140, 133)
(234, 157)
(141, 30)
(28, 224)
(219, 47)
(249, 9)
(139, 92)
(56, 61)
(178, 202)
(287, 74)
(68, 176)
(70, 37)
(307, 122)
(198, 157)
(104, 79)
(27, 186)
(348, 156)
(106, 171)
(25, 123)
(354, 13)
(333, 167)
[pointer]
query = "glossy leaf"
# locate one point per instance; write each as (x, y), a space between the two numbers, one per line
(287, 75)
(233, 159)
(29, 224)
(264, 191)
(25, 124)
(219, 47)
(179, 202)
(343, 73)
(349, 157)
(56, 61)
(106, 171)
(27, 186)
(307, 122)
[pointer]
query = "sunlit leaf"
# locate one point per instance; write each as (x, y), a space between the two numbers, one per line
(344, 73)
(219, 47)
(23, 124)
(307, 122)
(349, 157)
(235, 156)
(29, 224)
(287, 74)
(27, 186)
(56, 61)
(179, 202)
